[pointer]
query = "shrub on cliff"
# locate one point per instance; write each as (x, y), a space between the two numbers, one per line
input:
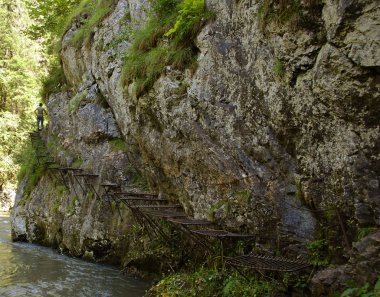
(166, 39)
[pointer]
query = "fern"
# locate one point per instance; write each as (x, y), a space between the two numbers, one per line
(189, 16)
(151, 51)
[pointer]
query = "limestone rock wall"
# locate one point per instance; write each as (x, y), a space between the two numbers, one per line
(278, 128)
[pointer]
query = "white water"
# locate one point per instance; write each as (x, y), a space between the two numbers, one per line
(31, 270)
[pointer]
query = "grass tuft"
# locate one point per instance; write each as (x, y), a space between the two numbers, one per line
(89, 14)
(167, 39)
(30, 169)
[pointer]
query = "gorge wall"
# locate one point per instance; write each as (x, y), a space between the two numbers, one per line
(277, 129)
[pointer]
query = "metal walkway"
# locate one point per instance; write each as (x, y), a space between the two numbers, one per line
(261, 262)
(148, 209)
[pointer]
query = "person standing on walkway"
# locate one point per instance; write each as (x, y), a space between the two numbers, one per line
(40, 111)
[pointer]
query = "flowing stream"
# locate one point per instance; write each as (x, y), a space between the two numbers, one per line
(31, 270)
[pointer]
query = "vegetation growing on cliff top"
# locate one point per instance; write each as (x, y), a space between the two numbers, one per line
(89, 14)
(167, 39)
(52, 20)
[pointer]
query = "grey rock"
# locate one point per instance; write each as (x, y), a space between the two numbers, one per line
(267, 108)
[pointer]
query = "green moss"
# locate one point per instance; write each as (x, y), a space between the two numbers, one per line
(118, 144)
(56, 205)
(279, 12)
(243, 197)
(90, 195)
(76, 101)
(77, 163)
(279, 69)
(71, 208)
(218, 205)
(181, 90)
(60, 190)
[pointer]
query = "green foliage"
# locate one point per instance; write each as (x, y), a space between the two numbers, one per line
(140, 182)
(77, 163)
(53, 145)
(210, 282)
(76, 101)
(244, 196)
(30, 169)
(90, 195)
(218, 205)
(363, 291)
(19, 65)
(295, 281)
(90, 13)
(318, 252)
(167, 39)
(181, 90)
(279, 68)
(71, 208)
(236, 285)
(54, 80)
(300, 192)
(118, 144)
(60, 190)
(188, 21)
(363, 232)
(50, 17)
(56, 205)
(12, 137)
(20, 72)
(279, 12)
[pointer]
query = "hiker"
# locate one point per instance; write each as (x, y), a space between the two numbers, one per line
(40, 111)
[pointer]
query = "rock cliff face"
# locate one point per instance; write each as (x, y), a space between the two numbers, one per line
(277, 129)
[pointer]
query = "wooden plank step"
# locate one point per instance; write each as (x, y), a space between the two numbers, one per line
(164, 214)
(86, 174)
(110, 185)
(143, 199)
(70, 169)
(189, 221)
(133, 194)
(157, 206)
(221, 233)
(54, 168)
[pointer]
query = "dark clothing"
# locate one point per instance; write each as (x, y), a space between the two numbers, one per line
(40, 117)
(40, 120)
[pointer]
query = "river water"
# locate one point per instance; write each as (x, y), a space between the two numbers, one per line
(31, 270)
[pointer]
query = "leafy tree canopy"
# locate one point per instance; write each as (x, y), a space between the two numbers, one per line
(50, 18)
(20, 73)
